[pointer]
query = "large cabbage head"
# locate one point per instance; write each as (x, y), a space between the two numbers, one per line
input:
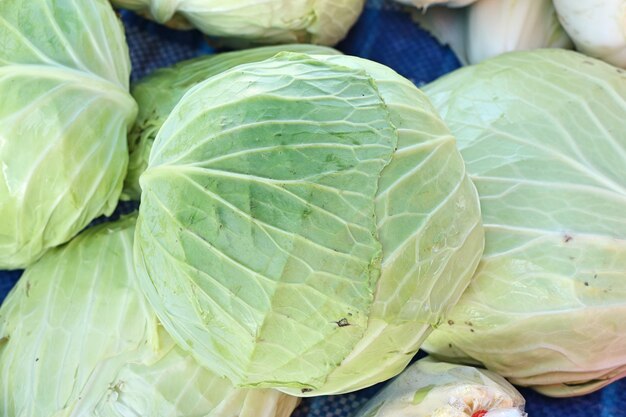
(323, 22)
(158, 94)
(304, 222)
(77, 338)
(64, 115)
(438, 389)
(544, 137)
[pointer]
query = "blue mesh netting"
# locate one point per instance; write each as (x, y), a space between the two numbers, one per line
(386, 34)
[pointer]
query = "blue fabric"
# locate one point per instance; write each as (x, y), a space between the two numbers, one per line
(384, 33)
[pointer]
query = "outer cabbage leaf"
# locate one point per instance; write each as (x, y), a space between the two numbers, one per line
(323, 22)
(542, 134)
(81, 35)
(432, 238)
(439, 389)
(302, 216)
(77, 338)
(159, 93)
(64, 116)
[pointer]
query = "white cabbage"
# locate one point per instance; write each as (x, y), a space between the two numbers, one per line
(597, 27)
(543, 137)
(429, 388)
(323, 22)
(304, 222)
(491, 27)
(64, 116)
(498, 26)
(78, 339)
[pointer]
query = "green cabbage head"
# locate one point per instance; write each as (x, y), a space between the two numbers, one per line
(439, 389)
(323, 22)
(158, 94)
(64, 115)
(77, 338)
(543, 134)
(304, 222)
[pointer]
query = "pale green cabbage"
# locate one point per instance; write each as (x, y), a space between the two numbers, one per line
(597, 27)
(323, 22)
(304, 222)
(64, 116)
(158, 93)
(77, 338)
(429, 388)
(543, 137)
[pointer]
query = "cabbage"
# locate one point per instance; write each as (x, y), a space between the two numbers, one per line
(323, 22)
(491, 27)
(158, 93)
(439, 389)
(64, 116)
(304, 222)
(598, 28)
(542, 134)
(498, 26)
(77, 338)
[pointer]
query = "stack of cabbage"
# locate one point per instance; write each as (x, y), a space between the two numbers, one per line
(301, 215)
(306, 221)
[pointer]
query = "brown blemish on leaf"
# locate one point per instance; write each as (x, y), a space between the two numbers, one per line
(342, 322)
(450, 322)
